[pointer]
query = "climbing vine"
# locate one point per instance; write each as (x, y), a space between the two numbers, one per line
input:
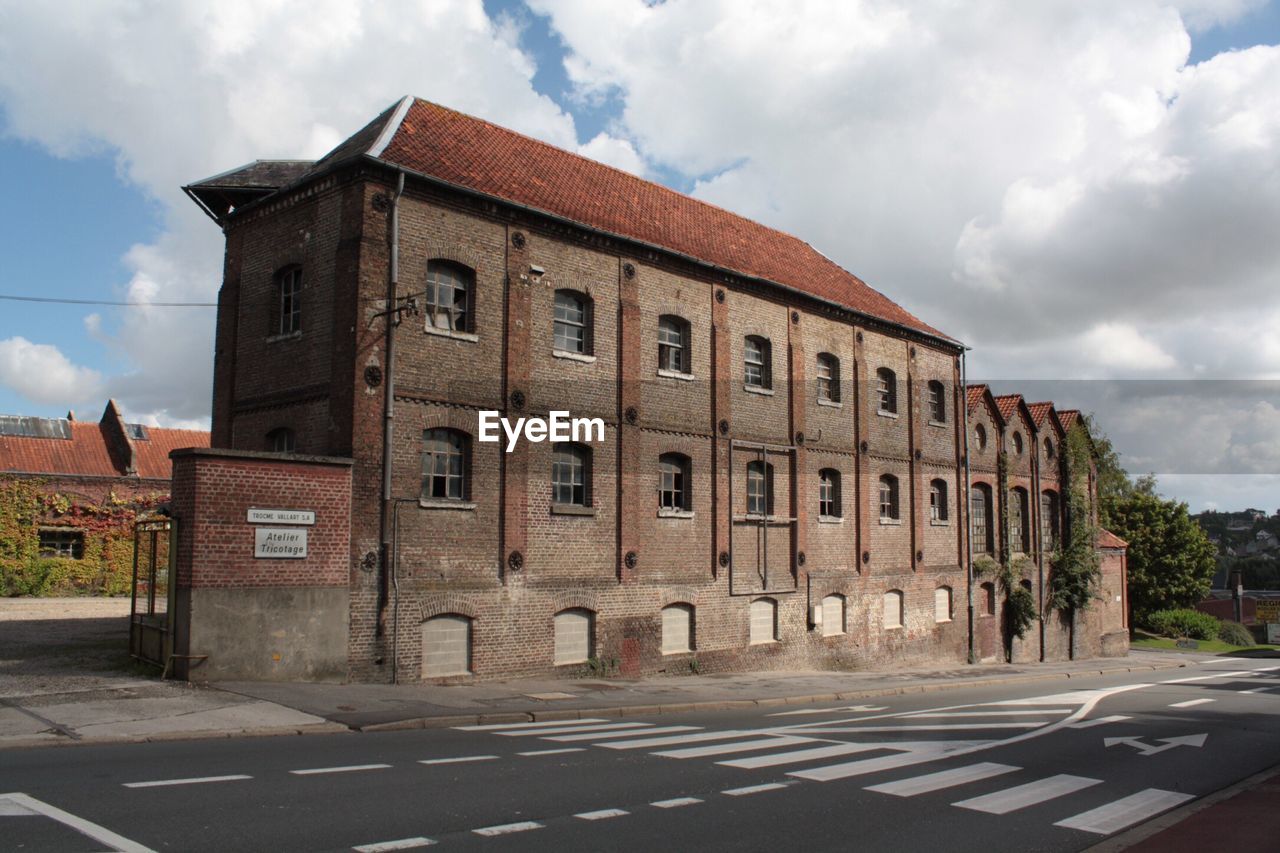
(1073, 582)
(106, 564)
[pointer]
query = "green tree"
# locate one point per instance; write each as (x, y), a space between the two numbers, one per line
(1171, 560)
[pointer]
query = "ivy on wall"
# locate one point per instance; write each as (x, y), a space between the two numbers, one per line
(106, 567)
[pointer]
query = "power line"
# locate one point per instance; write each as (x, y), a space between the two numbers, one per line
(106, 302)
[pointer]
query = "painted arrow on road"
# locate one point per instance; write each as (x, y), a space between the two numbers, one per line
(1152, 749)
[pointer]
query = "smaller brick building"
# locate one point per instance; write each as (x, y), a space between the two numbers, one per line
(70, 491)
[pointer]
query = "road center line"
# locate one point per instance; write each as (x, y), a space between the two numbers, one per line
(461, 759)
(1190, 703)
(389, 846)
(350, 768)
(554, 751)
(602, 814)
(508, 828)
(753, 789)
(678, 802)
(1235, 674)
(160, 783)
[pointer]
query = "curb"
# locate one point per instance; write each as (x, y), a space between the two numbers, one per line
(539, 716)
(40, 740)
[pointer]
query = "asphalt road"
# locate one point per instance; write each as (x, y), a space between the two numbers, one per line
(1054, 765)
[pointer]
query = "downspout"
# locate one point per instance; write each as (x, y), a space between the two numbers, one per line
(964, 513)
(1033, 530)
(393, 320)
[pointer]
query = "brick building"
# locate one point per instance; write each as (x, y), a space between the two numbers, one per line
(781, 481)
(86, 482)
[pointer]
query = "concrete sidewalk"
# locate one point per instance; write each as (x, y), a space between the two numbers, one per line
(372, 707)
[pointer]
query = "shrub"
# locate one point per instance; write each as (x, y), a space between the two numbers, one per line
(1234, 633)
(1183, 623)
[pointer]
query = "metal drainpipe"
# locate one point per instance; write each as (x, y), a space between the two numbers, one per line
(393, 320)
(968, 532)
(1033, 531)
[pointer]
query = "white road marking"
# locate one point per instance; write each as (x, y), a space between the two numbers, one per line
(565, 730)
(678, 802)
(753, 789)
(1259, 690)
(929, 782)
(507, 828)
(160, 783)
(1233, 674)
(1088, 724)
(554, 751)
(118, 843)
(493, 727)
(1030, 712)
(864, 766)
(350, 768)
(389, 846)
(846, 709)
(602, 814)
(1190, 703)
(1117, 815)
(939, 727)
(461, 759)
(1030, 794)
(739, 746)
(676, 740)
(632, 733)
(796, 756)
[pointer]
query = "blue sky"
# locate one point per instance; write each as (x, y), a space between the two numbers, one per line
(81, 197)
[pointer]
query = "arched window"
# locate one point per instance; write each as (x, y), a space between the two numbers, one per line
(893, 608)
(450, 296)
(1049, 521)
(446, 646)
(987, 600)
(938, 500)
(764, 621)
(759, 488)
(980, 516)
(677, 628)
(281, 440)
(288, 301)
(573, 322)
(757, 362)
(980, 435)
(1019, 516)
(674, 482)
(1017, 443)
(1049, 449)
(942, 604)
(887, 390)
(833, 622)
(937, 402)
(574, 636)
(571, 474)
(828, 378)
(829, 504)
(445, 464)
(673, 344)
(888, 498)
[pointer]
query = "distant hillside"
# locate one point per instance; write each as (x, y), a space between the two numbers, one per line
(1248, 541)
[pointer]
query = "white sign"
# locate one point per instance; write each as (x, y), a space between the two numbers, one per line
(282, 516)
(1273, 632)
(280, 543)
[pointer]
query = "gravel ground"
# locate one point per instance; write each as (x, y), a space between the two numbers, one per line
(66, 645)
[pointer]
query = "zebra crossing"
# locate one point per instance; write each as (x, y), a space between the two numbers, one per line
(858, 743)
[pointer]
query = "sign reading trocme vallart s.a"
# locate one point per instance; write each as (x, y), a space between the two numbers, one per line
(288, 543)
(281, 516)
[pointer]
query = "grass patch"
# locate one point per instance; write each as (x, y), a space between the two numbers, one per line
(1143, 640)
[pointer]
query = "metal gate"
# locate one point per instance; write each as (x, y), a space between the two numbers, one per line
(151, 613)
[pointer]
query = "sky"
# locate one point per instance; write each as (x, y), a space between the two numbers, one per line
(1085, 192)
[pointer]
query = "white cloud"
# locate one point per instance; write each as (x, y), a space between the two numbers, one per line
(180, 91)
(618, 153)
(41, 372)
(1122, 349)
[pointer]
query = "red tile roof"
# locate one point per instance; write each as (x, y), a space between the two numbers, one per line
(1008, 404)
(1067, 417)
(1107, 539)
(472, 153)
(88, 454)
(975, 394)
(1039, 411)
(152, 455)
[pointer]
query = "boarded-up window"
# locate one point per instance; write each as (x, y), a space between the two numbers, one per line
(988, 599)
(942, 604)
(446, 646)
(893, 608)
(833, 615)
(573, 636)
(764, 621)
(677, 628)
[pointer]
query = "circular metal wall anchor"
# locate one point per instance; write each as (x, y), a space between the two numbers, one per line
(799, 438)
(859, 337)
(724, 559)
(632, 414)
(515, 561)
(800, 558)
(380, 202)
(373, 376)
(517, 400)
(628, 270)
(369, 561)
(724, 427)
(720, 296)
(517, 239)
(919, 556)
(631, 560)
(919, 454)
(795, 316)
(863, 446)
(913, 352)
(866, 556)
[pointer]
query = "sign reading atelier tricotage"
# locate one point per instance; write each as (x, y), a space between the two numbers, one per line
(280, 543)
